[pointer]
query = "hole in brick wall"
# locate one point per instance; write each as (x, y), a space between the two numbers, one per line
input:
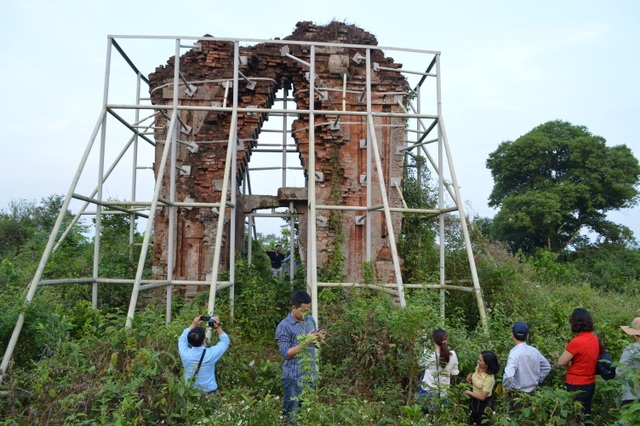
(268, 154)
(268, 161)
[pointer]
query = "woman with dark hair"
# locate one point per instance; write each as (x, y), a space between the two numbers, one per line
(482, 381)
(440, 363)
(581, 356)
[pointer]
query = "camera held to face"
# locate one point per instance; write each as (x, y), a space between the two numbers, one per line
(209, 319)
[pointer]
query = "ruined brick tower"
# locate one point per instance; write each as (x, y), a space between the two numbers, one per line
(341, 171)
(356, 119)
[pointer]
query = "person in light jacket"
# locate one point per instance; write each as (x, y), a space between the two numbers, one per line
(526, 367)
(629, 368)
(440, 363)
(198, 360)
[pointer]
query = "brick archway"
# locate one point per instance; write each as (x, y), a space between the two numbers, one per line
(341, 157)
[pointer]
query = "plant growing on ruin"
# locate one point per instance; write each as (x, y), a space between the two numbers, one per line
(369, 272)
(334, 269)
(417, 238)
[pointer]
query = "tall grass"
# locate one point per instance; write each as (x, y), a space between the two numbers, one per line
(81, 367)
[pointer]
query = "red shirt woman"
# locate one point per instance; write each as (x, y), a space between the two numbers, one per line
(581, 356)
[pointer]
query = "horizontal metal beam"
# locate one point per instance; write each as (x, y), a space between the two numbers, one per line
(114, 207)
(284, 42)
(267, 110)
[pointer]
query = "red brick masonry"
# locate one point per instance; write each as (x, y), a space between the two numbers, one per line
(340, 156)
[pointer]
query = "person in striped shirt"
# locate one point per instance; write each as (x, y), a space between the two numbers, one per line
(297, 335)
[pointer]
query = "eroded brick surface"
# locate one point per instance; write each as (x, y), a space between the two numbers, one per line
(339, 155)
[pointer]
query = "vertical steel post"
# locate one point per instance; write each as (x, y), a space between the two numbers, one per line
(134, 172)
(368, 139)
(250, 245)
(284, 139)
(234, 201)
(98, 222)
(441, 234)
(292, 242)
(172, 209)
(463, 217)
(312, 273)
(284, 183)
(233, 139)
(387, 212)
(171, 139)
(465, 233)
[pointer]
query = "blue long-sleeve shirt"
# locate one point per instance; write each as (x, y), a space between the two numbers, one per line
(287, 336)
(190, 357)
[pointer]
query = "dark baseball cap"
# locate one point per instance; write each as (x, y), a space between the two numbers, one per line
(520, 330)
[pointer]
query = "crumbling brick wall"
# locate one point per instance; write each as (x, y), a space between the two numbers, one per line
(340, 157)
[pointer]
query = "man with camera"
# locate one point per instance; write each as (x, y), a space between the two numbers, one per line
(198, 360)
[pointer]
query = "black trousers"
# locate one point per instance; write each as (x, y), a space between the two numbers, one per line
(477, 407)
(584, 395)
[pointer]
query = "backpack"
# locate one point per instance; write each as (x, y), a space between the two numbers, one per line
(604, 367)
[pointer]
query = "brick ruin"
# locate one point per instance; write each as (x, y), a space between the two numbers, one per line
(341, 157)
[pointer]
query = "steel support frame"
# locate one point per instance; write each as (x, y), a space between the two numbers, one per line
(374, 162)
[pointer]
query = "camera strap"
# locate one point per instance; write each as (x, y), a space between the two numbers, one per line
(200, 363)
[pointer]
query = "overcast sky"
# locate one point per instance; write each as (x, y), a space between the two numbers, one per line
(507, 66)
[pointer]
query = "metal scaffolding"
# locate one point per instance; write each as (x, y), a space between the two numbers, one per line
(125, 116)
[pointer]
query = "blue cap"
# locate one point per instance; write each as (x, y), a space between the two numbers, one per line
(520, 330)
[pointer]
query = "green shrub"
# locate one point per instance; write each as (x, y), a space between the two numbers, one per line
(81, 366)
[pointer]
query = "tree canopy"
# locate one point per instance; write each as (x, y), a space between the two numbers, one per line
(556, 181)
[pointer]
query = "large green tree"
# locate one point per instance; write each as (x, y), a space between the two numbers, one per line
(556, 181)
(24, 230)
(23, 219)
